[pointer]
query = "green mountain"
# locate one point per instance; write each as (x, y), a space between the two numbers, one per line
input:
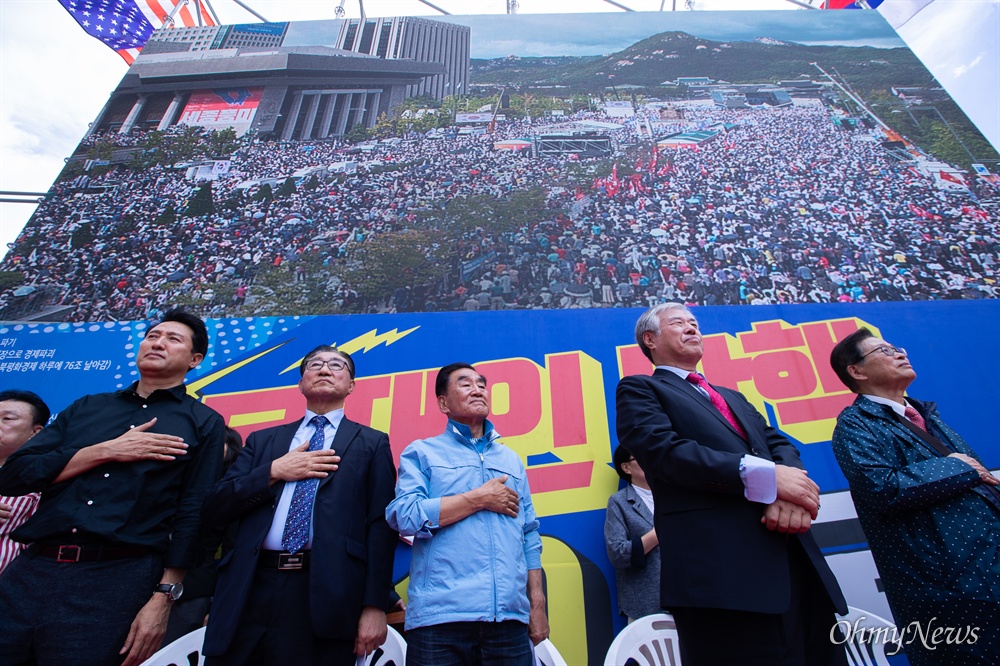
(666, 56)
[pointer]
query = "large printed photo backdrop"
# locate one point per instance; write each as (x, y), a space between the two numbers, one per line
(552, 378)
(569, 161)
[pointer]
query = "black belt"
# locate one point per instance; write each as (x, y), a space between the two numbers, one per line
(283, 560)
(87, 552)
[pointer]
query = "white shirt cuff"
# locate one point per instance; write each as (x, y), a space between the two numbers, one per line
(760, 482)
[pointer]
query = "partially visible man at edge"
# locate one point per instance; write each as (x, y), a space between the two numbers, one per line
(928, 506)
(22, 416)
(123, 476)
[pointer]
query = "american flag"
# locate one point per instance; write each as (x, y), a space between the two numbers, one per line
(125, 25)
(851, 4)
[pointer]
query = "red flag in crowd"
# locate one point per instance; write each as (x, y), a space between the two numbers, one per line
(612, 184)
(923, 214)
(975, 212)
(951, 177)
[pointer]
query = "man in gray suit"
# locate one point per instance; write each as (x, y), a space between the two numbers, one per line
(631, 540)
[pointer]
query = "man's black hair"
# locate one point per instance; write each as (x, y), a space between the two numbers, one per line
(40, 411)
(848, 352)
(234, 444)
(441, 383)
(199, 334)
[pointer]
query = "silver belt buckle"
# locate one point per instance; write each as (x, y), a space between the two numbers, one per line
(68, 553)
(291, 561)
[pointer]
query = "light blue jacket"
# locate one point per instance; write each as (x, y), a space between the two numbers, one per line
(475, 569)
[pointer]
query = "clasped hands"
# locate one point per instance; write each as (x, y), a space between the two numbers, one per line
(984, 474)
(797, 504)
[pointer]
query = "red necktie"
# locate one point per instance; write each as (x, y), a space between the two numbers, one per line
(915, 418)
(718, 401)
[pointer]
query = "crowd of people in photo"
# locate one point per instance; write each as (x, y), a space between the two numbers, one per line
(780, 206)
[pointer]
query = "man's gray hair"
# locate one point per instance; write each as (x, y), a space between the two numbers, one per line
(650, 321)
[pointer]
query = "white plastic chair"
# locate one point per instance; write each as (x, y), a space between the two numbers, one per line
(649, 641)
(867, 648)
(391, 653)
(546, 654)
(185, 651)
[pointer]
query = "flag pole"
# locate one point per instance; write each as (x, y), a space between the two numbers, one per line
(168, 22)
(211, 12)
(246, 7)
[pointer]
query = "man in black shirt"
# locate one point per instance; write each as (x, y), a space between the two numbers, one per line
(123, 476)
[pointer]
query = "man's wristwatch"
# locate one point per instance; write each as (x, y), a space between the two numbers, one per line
(172, 590)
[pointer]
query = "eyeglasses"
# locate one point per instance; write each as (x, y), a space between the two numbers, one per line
(887, 350)
(335, 365)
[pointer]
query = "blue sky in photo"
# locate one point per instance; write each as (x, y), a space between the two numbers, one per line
(524, 35)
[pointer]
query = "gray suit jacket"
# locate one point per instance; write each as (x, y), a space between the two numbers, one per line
(637, 573)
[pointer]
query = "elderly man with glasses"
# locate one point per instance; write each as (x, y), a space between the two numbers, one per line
(930, 509)
(309, 577)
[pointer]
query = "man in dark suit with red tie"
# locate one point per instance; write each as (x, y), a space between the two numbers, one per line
(309, 578)
(741, 574)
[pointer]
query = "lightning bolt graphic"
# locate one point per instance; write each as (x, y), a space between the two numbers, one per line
(364, 342)
(195, 387)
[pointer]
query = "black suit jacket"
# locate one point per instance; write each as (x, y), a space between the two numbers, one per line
(715, 552)
(353, 546)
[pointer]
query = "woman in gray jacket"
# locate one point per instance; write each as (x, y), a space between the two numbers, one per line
(632, 544)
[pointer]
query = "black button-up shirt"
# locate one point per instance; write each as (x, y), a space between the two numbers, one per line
(145, 503)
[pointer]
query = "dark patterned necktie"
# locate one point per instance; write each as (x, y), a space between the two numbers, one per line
(915, 418)
(718, 401)
(296, 534)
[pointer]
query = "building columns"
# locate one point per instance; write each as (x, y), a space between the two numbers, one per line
(327, 118)
(307, 126)
(345, 111)
(171, 113)
(293, 116)
(133, 115)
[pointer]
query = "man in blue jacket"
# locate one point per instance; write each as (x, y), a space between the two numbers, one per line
(475, 591)
(930, 509)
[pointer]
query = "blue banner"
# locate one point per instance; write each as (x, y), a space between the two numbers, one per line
(552, 376)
